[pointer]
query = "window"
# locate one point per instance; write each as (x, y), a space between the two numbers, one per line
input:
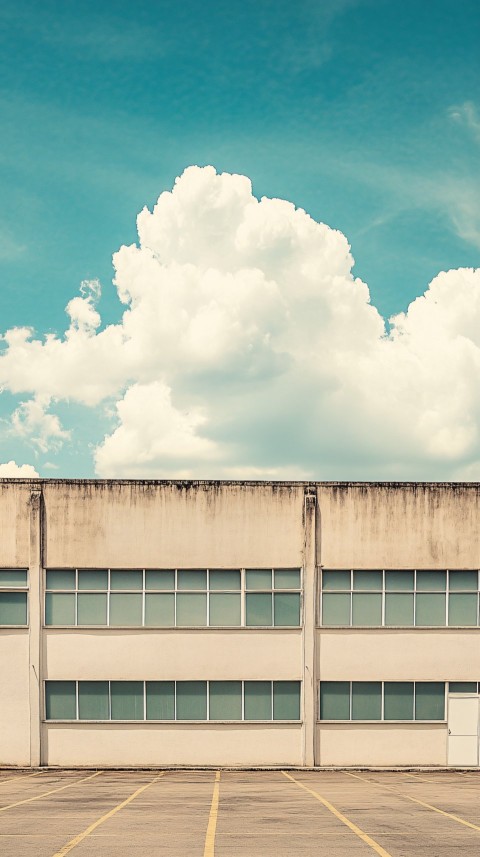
(13, 597)
(406, 598)
(382, 700)
(172, 700)
(167, 598)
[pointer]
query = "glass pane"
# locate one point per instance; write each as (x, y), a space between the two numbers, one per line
(224, 579)
(59, 609)
(161, 579)
(463, 609)
(428, 581)
(286, 700)
(366, 700)
(366, 609)
(335, 700)
(258, 700)
(13, 608)
(126, 579)
(398, 700)
(93, 700)
(127, 700)
(60, 701)
(61, 579)
(160, 610)
(258, 608)
(463, 580)
(191, 700)
(286, 608)
(429, 700)
(286, 578)
(335, 580)
(191, 579)
(398, 608)
(259, 579)
(12, 577)
(399, 581)
(92, 579)
(91, 609)
(368, 580)
(336, 609)
(191, 609)
(225, 700)
(160, 700)
(430, 609)
(462, 687)
(126, 609)
(225, 609)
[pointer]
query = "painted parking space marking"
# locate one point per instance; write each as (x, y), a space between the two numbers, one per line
(51, 792)
(209, 850)
(341, 817)
(88, 830)
(21, 777)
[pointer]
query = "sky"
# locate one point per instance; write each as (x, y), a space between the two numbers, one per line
(300, 296)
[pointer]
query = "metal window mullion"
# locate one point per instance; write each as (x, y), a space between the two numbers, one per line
(109, 700)
(145, 700)
(243, 700)
(382, 714)
(351, 701)
(175, 699)
(77, 706)
(208, 699)
(383, 597)
(414, 700)
(243, 583)
(208, 601)
(414, 597)
(175, 583)
(144, 583)
(271, 701)
(447, 599)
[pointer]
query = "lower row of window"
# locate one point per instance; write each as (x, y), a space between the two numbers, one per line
(388, 700)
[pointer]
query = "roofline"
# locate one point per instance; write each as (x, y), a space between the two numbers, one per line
(187, 483)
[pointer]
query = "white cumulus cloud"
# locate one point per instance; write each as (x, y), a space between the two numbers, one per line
(11, 470)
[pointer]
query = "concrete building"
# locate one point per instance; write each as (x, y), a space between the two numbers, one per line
(239, 623)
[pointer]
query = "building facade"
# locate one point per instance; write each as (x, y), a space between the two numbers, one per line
(158, 623)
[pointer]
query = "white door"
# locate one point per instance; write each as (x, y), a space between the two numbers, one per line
(463, 714)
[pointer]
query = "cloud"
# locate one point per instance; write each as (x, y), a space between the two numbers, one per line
(248, 346)
(11, 470)
(31, 420)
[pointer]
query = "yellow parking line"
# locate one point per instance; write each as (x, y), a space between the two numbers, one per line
(343, 818)
(81, 836)
(212, 819)
(45, 794)
(21, 777)
(416, 800)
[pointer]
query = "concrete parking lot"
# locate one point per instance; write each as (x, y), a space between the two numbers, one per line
(245, 813)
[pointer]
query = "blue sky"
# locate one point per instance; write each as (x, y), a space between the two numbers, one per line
(365, 114)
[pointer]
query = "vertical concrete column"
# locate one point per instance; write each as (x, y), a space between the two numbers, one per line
(35, 624)
(309, 612)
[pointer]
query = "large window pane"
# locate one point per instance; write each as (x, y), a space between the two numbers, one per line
(430, 609)
(366, 700)
(191, 609)
(398, 608)
(463, 580)
(225, 700)
(259, 579)
(286, 578)
(160, 579)
(335, 700)
(366, 609)
(462, 687)
(60, 579)
(127, 700)
(225, 609)
(191, 700)
(332, 580)
(91, 609)
(13, 577)
(126, 579)
(191, 579)
(429, 700)
(372, 580)
(286, 608)
(286, 700)
(335, 608)
(160, 609)
(398, 700)
(13, 608)
(93, 700)
(258, 608)
(96, 579)
(60, 700)
(126, 609)
(399, 581)
(225, 579)
(258, 700)
(463, 608)
(429, 581)
(160, 700)
(59, 608)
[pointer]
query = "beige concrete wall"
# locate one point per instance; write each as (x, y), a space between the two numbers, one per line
(14, 699)
(14, 524)
(181, 655)
(136, 524)
(382, 744)
(175, 744)
(399, 526)
(356, 654)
